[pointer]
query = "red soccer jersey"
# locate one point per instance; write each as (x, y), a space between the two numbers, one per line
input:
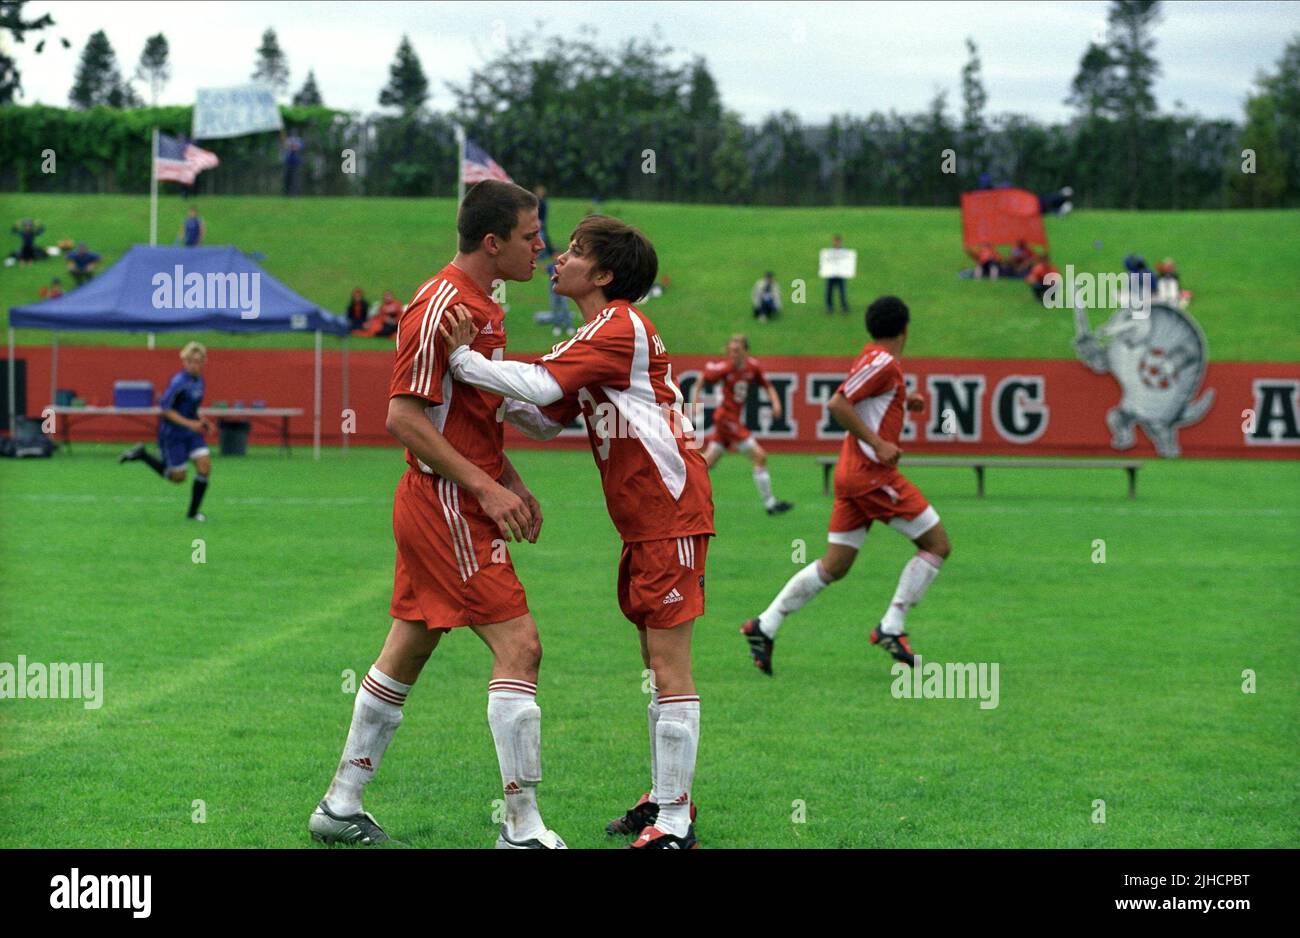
(616, 373)
(735, 384)
(463, 414)
(877, 391)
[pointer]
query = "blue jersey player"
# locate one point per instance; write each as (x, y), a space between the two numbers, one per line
(181, 430)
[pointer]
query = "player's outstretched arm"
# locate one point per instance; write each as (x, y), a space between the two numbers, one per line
(773, 398)
(844, 414)
(522, 381)
(406, 421)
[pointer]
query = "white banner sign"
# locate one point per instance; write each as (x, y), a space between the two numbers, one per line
(837, 262)
(233, 112)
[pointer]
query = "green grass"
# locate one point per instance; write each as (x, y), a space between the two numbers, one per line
(1119, 681)
(1242, 266)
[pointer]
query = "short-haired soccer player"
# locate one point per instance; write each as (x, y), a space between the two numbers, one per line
(181, 430)
(868, 487)
(458, 496)
(737, 372)
(615, 372)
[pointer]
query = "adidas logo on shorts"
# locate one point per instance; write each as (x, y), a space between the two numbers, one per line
(674, 597)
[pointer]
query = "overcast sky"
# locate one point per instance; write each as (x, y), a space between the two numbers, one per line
(815, 59)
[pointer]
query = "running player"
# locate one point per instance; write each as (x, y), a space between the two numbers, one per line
(737, 372)
(459, 495)
(181, 430)
(868, 487)
(616, 373)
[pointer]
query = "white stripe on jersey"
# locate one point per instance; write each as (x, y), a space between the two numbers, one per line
(586, 332)
(872, 412)
(638, 406)
(855, 381)
(424, 289)
(424, 358)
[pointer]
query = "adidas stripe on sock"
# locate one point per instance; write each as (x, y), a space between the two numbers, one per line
(375, 717)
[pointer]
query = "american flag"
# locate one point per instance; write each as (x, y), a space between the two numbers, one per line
(180, 161)
(478, 166)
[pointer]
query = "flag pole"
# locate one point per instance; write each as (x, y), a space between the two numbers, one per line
(153, 192)
(460, 165)
(153, 206)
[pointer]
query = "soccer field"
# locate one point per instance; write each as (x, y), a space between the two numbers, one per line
(1120, 681)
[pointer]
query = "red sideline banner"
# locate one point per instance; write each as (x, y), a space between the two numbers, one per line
(999, 406)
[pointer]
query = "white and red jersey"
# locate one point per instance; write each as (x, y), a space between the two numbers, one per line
(616, 372)
(735, 384)
(465, 415)
(877, 391)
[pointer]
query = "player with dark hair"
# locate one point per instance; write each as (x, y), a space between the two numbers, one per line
(615, 372)
(181, 430)
(737, 372)
(868, 487)
(457, 500)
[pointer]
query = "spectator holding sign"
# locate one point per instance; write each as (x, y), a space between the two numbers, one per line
(835, 265)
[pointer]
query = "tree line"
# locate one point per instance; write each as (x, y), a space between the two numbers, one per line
(637, 120)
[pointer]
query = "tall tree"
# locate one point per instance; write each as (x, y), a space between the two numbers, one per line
(12, 22)
(1093, 91)
(407, 88)
(1283, 86)
(973, 100)
(308, 95)
(98, 80)
(1130, 24)
(272, 66)
(154, 67)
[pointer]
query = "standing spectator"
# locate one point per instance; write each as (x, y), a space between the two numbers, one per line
(766, 297)
(193, 230)
(28, 231)
(836, 283)
(82, 263)
(291, 146)
(358, 310)
(540, 192)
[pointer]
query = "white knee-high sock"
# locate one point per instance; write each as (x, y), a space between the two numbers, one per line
(677, 739)
(652, 718)
(917, 575)
(375, 717)
(798, 590)
(763, 482)
(516, 723)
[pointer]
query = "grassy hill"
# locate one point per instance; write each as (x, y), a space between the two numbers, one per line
(1244, 268)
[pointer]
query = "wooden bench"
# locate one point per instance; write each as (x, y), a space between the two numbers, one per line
(980, 463)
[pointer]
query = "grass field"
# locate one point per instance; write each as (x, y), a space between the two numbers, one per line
(1119, 681)
(1242, 267)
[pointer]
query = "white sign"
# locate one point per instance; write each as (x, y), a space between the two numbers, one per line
(233, 112)
(837, 262)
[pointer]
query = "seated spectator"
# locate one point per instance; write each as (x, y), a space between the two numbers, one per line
(54, 290)
(28, 251)
(988, 263)
(358, 311)
(82, 263)
(1022, 259)
(1168, 287)
(1142, 280)
(766, 297)
(384, 322)
(1038, 275)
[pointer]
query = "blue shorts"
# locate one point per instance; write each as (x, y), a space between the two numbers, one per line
(180, 445)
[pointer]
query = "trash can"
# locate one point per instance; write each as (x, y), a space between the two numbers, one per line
(234, 436)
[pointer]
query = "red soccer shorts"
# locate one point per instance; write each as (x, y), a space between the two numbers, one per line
(898, 503)
(661, 583)
(730, 433)
(453, 568)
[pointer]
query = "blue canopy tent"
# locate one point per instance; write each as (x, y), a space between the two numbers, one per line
(175, 289)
